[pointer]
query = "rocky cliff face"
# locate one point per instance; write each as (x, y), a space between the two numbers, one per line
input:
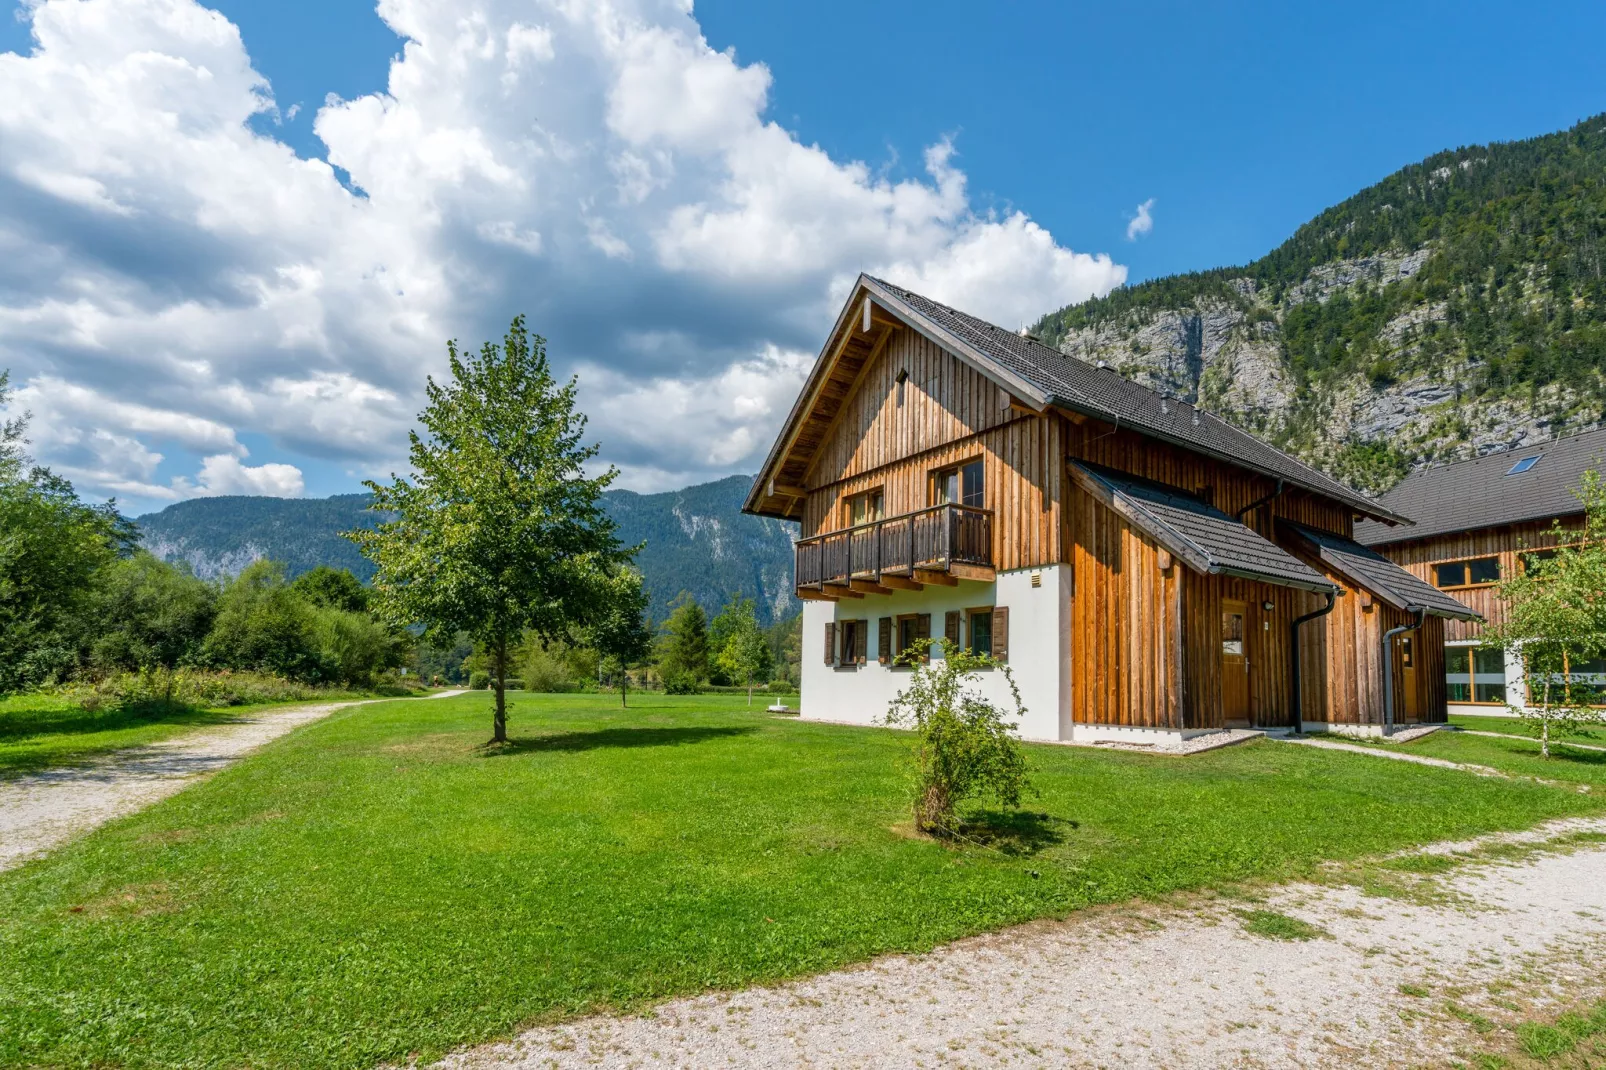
(1409, 408)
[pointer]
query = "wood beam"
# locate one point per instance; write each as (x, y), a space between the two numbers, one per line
(787, 490)
(899, 583)
(866, 587)
(982, 573)
(840, 590)
(809, 594)
(941, 579)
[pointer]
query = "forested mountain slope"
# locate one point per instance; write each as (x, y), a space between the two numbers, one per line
(697, 540)
(1456, 308)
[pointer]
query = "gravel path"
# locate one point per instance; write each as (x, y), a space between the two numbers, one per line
(1140, 986)
(42, 810)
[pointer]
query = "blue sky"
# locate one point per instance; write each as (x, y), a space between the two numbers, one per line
(1238, 122)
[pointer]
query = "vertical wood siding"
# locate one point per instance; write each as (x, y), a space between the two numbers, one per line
(1507, 543)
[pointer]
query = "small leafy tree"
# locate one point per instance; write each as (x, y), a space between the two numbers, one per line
(621, 634)
(332, 588)
(1556, 618)
(746, 649)
(964, 747)
(499, 530)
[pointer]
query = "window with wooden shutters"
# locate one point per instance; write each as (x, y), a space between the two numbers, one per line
(923, 631)
(1001, 633)
(981, 631)
(883, 641)
(830, 642)
(950, 628)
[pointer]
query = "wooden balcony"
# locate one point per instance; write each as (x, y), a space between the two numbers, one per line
(940, 545)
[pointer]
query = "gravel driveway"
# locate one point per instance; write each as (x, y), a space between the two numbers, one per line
(1178, 986)
(41, 810)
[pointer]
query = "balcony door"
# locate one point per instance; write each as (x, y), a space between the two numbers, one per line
(1234, 662)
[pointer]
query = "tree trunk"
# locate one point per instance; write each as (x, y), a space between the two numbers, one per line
(499, 731)
(1544, 724)
(749, 689)
(624, 685)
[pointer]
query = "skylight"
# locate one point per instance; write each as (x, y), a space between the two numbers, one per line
(1523, 465)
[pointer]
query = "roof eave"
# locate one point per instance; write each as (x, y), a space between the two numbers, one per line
(1355, 502)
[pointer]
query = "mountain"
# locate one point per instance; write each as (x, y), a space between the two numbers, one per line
(1454, 309)
(696, 540)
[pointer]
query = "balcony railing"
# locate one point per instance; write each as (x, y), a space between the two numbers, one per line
(932, 539)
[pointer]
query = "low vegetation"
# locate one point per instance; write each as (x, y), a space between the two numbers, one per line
(379, 884)
(83, 720)
(1514, 755)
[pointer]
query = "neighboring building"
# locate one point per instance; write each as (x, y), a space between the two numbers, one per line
(1140, 564)
(1476, 522)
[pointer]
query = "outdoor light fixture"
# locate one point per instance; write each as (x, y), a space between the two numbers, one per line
(1268, 606)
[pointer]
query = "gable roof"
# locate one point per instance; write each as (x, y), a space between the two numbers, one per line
(1205, 538)
(1373, 572)
(1479, 493)
(1042, 376)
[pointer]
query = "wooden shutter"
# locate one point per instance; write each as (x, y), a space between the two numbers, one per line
(950, 628)
(830, 642)
(883, 641)
(1001, 633)
(923, 631)
(861, 640)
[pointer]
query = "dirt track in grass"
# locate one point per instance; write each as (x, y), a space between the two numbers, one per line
(1426, 962)
(40, 811)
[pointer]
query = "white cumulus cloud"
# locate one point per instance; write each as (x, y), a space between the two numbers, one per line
(172, 278)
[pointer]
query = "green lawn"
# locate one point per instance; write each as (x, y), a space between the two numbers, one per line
(1518, 755)
(374, 885)
(39, 731)
(1513, 726)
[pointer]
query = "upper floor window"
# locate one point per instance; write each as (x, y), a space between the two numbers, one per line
(865, 508)
(961, 485)
(1476, 572)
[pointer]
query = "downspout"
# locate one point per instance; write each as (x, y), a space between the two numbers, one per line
(1258, 502)
(1297, 715)
(1388, 668)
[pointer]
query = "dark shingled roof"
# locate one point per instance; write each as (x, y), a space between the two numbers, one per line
(1105, 394)
(1480, 494)
(1204, 537)
(1374, 572)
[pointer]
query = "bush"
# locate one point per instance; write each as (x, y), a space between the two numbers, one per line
(513, 683)
(964, 746)
(479, 680)
(682, 684)
(156, 690)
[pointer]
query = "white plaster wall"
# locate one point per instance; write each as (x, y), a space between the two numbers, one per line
(1039, 650)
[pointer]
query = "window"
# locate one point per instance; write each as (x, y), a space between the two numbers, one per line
(1477, 572)
(980, 632)
(1232, 633)
(1407, 652)
(1523, 465)
(864, 508)
(1475, 674)
(853, 634)
(1586, 678)
(961, 485)
(910, 629)
(1533, 558)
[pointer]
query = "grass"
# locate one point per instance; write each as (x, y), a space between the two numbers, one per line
(1516, 755)
(1514, 726)
(1278, 926)
(379, 884)
(1574, 1039)
(43, 731)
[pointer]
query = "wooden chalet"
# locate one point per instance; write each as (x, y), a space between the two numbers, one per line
(1478, 521)
(1146, 569)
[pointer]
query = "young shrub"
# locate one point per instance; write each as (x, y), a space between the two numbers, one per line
(479, 680)
(683, 683)
(964, 747)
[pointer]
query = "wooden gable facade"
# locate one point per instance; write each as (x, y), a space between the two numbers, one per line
(892, 405)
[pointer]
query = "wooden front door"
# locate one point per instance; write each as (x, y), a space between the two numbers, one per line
(1410, 701)
(1234, 662)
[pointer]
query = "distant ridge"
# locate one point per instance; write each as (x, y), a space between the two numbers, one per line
(697, 540)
